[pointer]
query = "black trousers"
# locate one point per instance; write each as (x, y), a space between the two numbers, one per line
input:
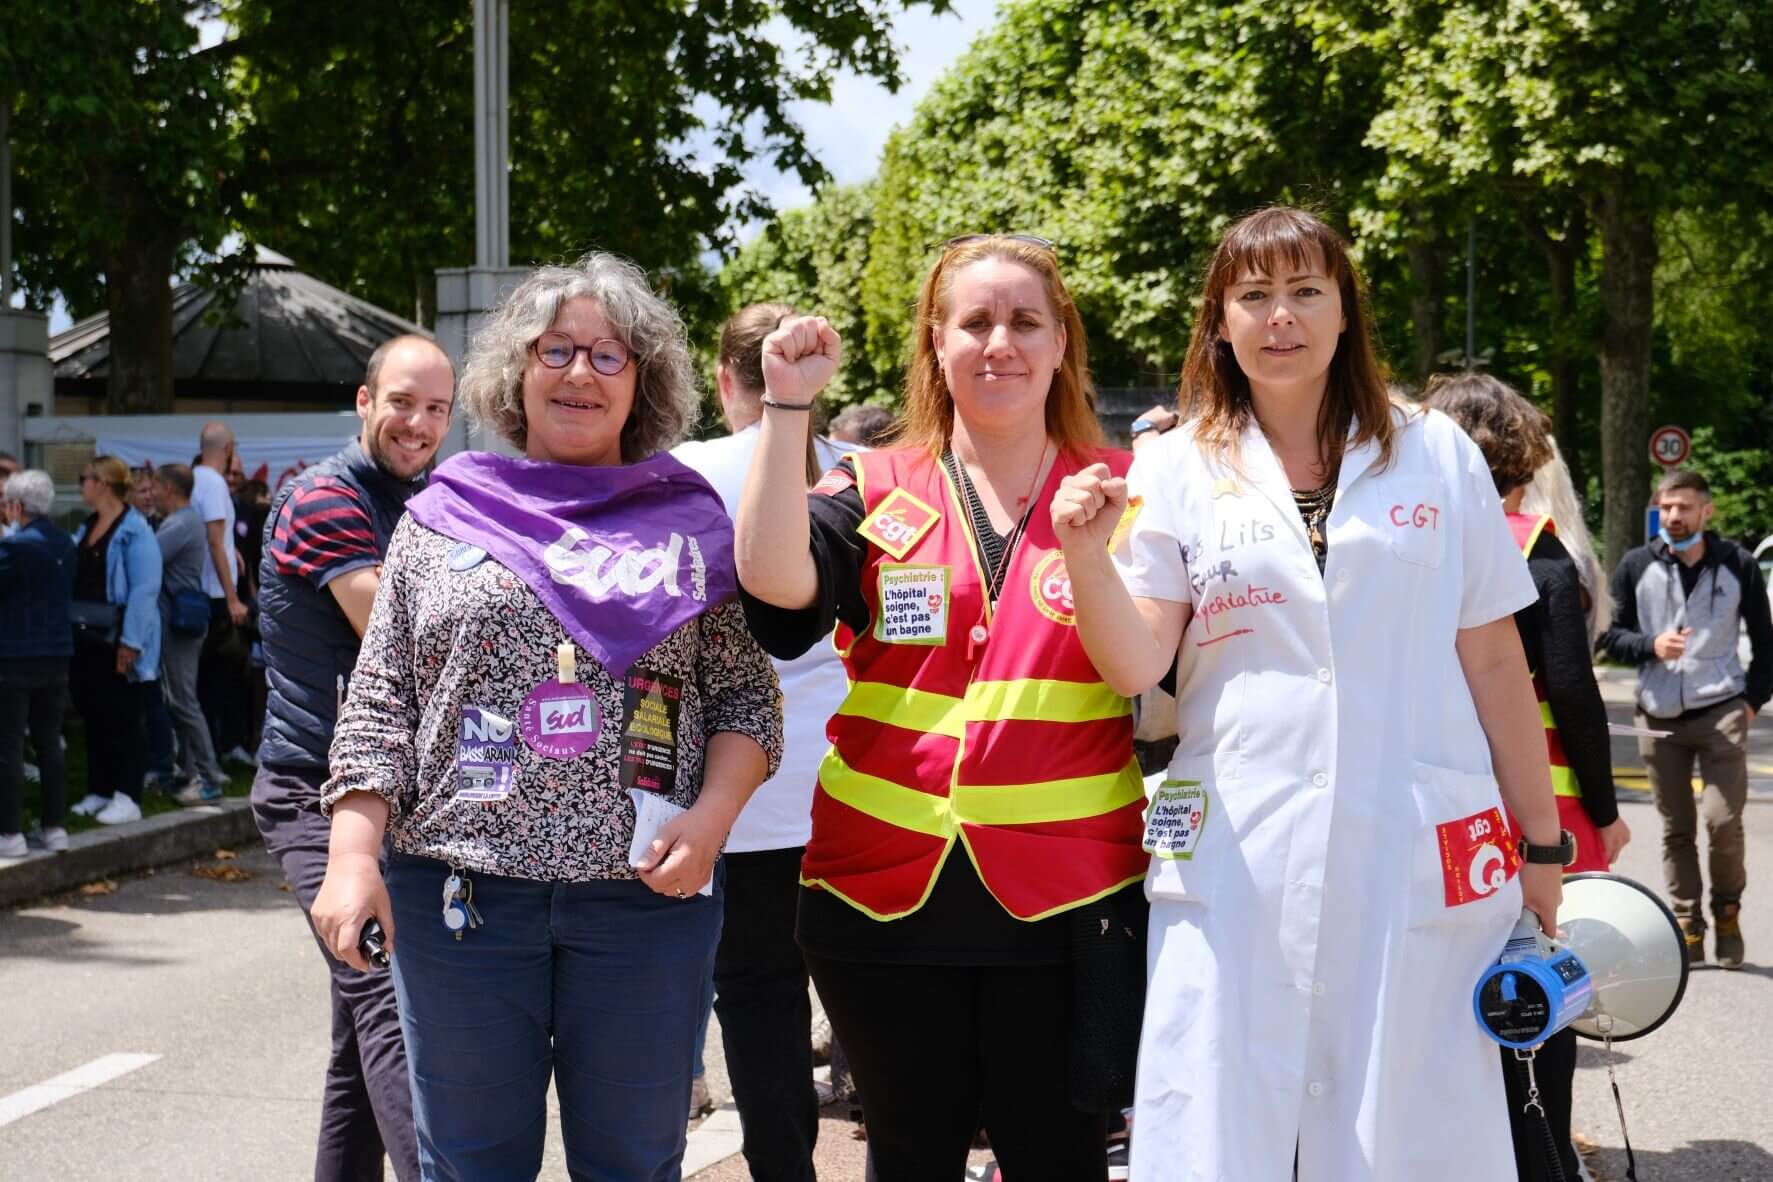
(1554, 1068)
(115, 712)
(32, 702)
(939, 1051)
(366, 1110)
(760, 983)
(222, 688)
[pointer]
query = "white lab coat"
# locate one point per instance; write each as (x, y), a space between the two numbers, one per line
(1309, 986)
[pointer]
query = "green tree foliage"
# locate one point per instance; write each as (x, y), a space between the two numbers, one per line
(1628, 110)
(1130, 132)
(813, 258)
(1741, 486)
(630, 128)
(124, 141)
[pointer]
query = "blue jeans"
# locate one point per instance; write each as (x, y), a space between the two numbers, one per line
(600, 984)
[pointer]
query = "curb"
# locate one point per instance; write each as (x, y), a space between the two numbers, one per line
(152, 841)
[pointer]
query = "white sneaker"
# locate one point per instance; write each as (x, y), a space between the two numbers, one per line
(55, 840)
(240, 755)
(33, 774)
(89, 804)
(119, 811)
(12, 845)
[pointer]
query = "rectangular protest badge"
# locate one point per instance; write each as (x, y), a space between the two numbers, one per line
(1174, 819)
(898, 523)
(486, 753)
(913, 607)
(652, 704)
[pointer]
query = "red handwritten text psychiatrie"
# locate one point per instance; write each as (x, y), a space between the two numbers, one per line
(1250, 596)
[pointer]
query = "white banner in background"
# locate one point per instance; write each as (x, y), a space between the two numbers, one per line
(270, 460)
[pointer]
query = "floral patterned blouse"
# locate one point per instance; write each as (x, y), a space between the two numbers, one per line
(445, 645)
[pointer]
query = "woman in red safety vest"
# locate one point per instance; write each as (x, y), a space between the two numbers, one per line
(1514, 436)
(981, 780)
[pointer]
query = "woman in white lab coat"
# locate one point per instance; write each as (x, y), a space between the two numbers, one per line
(1330, 866)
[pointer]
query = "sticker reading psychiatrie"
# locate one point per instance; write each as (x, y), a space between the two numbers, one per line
(486, 752)
(559, 721)
(651, 706)
(898, 522)
(913, 607)
(1177, 814)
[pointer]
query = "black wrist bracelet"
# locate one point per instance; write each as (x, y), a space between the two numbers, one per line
(773, 404)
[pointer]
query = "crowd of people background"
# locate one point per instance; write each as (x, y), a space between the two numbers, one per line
(662, 725)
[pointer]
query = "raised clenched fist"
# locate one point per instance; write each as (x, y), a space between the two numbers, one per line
(1088, 506)
(799, 358)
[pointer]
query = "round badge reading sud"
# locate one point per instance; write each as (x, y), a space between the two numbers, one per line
(559, 721)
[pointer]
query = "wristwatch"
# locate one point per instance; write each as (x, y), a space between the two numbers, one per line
(1561, 854)
(1143, 424)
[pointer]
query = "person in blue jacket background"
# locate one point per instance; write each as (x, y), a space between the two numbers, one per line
(117, 652)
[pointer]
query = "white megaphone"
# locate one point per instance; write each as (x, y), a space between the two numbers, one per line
(1633, 950)
(1617, 972)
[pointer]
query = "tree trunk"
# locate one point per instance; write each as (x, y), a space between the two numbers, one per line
(1428, 293)
(1566, 352)
(138, 296)
(1628, 264)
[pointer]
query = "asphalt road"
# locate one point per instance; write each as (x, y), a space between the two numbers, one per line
(219, 982)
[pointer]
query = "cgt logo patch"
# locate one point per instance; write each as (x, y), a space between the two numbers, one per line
(898, 523)
(1050, 588)
(1477, 857)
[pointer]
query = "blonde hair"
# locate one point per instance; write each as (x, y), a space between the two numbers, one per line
(1551, 494)
(113, 473)
(928, 418)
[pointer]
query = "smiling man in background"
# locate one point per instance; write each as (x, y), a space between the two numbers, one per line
(329, 528)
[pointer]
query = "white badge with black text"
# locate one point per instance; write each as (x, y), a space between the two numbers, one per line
(1173, 823)
(913, 604)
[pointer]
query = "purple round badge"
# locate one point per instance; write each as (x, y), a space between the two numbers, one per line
(559, 721)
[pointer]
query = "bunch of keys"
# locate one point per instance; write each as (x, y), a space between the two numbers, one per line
(459, 912)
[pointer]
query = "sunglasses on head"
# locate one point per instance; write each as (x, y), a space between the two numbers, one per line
(1046, 244)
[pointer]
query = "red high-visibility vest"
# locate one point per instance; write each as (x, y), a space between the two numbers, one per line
(1590, 854)
(990, 727)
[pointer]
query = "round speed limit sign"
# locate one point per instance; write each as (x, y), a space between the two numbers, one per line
(1670, 446)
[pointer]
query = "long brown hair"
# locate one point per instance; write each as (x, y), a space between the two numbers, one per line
(741, 352)
(1215, 392)
(928, 420)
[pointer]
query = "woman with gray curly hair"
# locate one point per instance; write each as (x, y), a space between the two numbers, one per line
(556, 716)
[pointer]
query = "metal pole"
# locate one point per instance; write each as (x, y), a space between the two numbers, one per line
(5, 204)
(1471, 294)
(492, 235)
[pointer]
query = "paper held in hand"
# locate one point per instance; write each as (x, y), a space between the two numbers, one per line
(651, 811)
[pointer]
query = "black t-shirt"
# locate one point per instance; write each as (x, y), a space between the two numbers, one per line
(1554, 633)
(89, 564)
(960, 923)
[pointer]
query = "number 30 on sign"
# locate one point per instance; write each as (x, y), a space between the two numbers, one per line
(1670, 446)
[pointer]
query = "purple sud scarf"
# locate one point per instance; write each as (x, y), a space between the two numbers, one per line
(623, 556)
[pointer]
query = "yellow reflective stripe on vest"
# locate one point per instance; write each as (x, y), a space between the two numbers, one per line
(1563, 779)
(1034, 700)
(979, 804)
(1563, 782)
(1050, 800)
(915, 710)
(897, 805)
(1028, 699)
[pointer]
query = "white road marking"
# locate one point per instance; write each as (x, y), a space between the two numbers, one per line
(69, 1084)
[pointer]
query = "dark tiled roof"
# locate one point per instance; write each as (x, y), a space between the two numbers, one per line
(285, 326)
